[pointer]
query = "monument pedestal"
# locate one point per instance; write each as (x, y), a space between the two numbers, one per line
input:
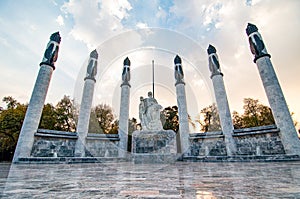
(154, 146)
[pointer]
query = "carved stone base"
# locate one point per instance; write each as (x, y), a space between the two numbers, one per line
(154, 146)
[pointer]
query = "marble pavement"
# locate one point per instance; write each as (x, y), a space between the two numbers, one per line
(127, 180)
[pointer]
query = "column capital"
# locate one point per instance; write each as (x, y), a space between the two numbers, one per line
(47, 64)
(179, 82)
(91, 78)
(257, 46)
(125, 84)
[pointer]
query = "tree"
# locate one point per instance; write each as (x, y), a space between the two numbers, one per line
(170, 118)
(211, 120)
(65, 115)
(11, 120)
(104, 116)
(49, 117)
(11, 103)
(255, 114)
(114, 127)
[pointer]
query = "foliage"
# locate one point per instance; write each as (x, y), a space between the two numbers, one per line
(102, 117)
(255, 114)
(210, 121)
(170, 118)
(11, 120)
(48, 119)
(65, 113)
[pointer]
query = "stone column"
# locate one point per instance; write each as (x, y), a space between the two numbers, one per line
(281, 113)
(37, 100)
(86, 104)
(182, 107)
(124, 109)
(221, 99)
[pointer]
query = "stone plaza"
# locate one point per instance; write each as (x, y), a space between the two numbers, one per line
(126, 180)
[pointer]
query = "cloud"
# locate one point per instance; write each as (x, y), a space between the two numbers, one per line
(60, 20)
(94, 21)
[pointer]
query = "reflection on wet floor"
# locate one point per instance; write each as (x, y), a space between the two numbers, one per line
(127, 180)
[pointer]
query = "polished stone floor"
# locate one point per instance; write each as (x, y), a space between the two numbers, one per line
(127, 180)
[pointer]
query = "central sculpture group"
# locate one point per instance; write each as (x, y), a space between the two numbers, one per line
(149, 113)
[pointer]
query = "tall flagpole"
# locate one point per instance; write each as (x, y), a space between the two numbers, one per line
(153, 77)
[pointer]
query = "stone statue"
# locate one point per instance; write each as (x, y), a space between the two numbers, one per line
(51, 52)
(126, 71)
(214, 65)
(92, 66)
(149, 113)
(257, 45)
(178, 70)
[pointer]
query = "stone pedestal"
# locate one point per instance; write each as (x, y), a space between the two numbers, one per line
(281, 113)
(123, 120)
(84, 116)
(33, 113)
(183, 118)
(154, 146)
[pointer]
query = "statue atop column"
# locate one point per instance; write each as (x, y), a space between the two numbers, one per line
(149, 113)
(51, 52)
(178, 70)
(126, 72)
(92, 65)
(214, 65)
(257, 46)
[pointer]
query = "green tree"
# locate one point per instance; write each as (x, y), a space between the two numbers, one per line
(104, 116)
(209, 119)
(11, 120)
(65, 115)
(49, 117)
(114, 127)
(255, 114)
(170, 118)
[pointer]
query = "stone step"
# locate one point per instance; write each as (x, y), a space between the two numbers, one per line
(67, 160)
(242, 158)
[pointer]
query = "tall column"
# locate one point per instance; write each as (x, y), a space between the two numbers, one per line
(86, 104)
(37, 100)
(182, 107)
(281, 113)
(221, 99)
(124, 109)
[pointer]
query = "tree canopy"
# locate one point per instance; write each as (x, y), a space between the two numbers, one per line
(209, 119)
(255, 114)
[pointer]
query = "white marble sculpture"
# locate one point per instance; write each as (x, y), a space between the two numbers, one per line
(149, 113)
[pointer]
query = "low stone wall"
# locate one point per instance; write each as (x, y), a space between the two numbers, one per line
(207, 144)
(102, 145)
(49, 143)
(262, 140)
(258, 141)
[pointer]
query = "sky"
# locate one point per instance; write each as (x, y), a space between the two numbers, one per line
(145, 31)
